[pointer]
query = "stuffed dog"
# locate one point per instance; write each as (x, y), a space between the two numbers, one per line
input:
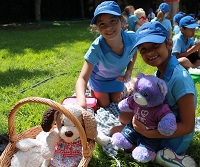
(63, 145)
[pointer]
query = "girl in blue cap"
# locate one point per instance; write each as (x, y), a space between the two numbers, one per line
(177, 17)
(110, 59)
(155, 47)
(162, 13)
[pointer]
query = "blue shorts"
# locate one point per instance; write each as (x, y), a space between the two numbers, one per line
(134, 137)
(107, 86)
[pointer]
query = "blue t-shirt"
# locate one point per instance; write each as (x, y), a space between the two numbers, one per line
(179, 83)
(180, 45)
(166, 23)
(176, 29)
(108, 65)
(132, 21)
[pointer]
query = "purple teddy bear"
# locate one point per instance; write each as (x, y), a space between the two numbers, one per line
(147, 103)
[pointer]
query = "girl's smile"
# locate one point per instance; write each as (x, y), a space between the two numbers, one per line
(155, 54)
(109, 25)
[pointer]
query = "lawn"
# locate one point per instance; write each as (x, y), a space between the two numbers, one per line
(44, 60)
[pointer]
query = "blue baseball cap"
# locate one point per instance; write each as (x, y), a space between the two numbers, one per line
(180, 12)
(108, 7)
(164, 7)
(188, 22)
(151, 32)
(177, 17)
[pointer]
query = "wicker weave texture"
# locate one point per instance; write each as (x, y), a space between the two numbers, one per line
(5, 159)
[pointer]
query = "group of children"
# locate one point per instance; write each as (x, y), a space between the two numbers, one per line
(110, 60)
(185, 48)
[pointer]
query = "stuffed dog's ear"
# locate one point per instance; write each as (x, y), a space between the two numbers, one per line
(48, 119)
(90, 124)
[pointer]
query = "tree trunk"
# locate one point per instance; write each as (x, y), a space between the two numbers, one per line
(37, 10)
(82, 9)
(174, 8)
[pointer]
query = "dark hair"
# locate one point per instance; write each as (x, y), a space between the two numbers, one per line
(127, 10)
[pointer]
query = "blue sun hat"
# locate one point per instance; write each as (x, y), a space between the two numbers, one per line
(108, 7)
(177, 17)
(188, 22)
(151, 32)
(164, 7)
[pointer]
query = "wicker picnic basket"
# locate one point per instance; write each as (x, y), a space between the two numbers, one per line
(5, 159)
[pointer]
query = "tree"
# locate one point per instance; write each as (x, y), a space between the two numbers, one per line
(38, 10)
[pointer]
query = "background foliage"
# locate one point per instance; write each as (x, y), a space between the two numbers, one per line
(12, 11)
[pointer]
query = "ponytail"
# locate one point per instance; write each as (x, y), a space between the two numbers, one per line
(160, 16)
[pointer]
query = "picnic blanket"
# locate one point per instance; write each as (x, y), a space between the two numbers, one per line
(107, 118)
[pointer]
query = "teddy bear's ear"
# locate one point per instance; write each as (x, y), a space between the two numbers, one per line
(90, 124)
(48, 119)
(163, 87)
(139, 75)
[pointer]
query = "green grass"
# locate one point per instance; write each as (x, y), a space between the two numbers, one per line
(44, 60)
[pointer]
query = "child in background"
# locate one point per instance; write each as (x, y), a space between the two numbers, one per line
(141, 15)
(184, 47)
(151, 15)
(163, 11)
(155, 45)
(109, 60)
(132, 20)
(177, 17)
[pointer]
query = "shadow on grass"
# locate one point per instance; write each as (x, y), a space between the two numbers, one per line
(14, 77)
(45, 36)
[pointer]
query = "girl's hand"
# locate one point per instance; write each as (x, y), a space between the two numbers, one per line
(121, 79)
(139, 127)
(125, 78)
(82, 103)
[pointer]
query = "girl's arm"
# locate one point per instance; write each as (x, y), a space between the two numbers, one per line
(130, 66)
(170, 33)
(184, 126)
(81, 83)
(129, 70)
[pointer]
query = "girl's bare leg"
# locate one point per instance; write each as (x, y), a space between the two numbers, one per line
(102, 98)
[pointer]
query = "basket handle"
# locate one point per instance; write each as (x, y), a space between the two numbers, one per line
(56, 106)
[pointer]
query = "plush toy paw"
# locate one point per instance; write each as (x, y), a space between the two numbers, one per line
(120, 141)
(28, 143)
(102, 139)
(167, 126)
(142, 154)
